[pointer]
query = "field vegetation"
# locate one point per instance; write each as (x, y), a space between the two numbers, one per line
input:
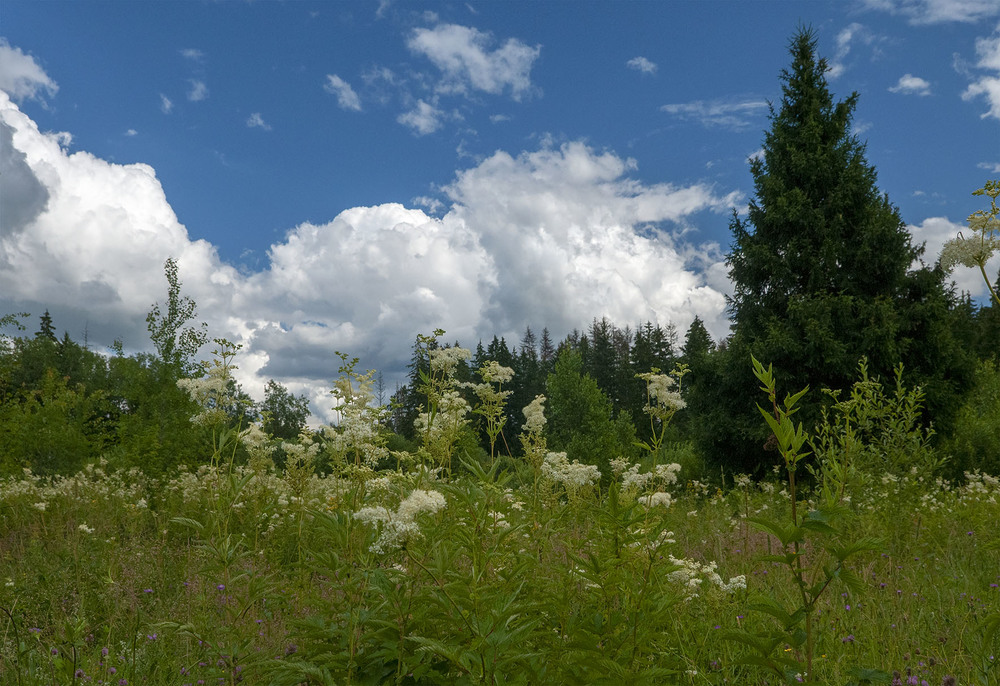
(813, 499)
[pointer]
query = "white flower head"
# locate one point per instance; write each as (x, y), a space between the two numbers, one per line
(445, 360)
(534, 415)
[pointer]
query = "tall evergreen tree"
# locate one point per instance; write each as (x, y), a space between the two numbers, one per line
(821, 268)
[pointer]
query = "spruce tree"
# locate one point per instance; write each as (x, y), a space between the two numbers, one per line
(46, 329)
(822, 268)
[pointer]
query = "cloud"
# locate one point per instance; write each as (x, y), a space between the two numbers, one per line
(21, 77)
(938, 11)
(909, 84)
(730, 115)
(198, 91)
(193, 54)
(22, 196)
(849, 36)
(988, 50)
(131, 132)
(95, 248)
(166, 104)
(255, 121)
(424, 118)
(346, 97)
(642, 64)
(468, 63)
(548, 238)
(991, 167)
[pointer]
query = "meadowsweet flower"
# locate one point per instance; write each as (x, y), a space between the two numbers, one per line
(40, 506)
(86, 529)
(573, 475)
(534, 415)
(397, 527)
(445, 360)
(656, 499)
(668, 472)
(631, 478)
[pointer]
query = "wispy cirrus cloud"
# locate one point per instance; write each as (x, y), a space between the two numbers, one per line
(198, 90)
(256, 121)
(424, 118)
(347, 98)
(729, 114)
(642, 64)
(938, 11)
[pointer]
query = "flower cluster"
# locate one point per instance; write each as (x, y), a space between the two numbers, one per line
(573, 475)
(398, 526)
(534, 415)
(691, 574)
(444, 361)
(656, 499)
(660, 388)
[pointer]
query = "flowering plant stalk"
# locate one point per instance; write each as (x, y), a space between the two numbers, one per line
(662, 403)
(359, 434)
(493, 401)
(804, 530)
(976, 251)
(444, 418)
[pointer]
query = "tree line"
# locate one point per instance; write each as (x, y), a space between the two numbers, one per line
(825, 275)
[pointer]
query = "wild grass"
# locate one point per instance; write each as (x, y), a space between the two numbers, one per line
(228, 574)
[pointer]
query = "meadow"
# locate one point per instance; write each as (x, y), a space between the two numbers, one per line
(229, 573)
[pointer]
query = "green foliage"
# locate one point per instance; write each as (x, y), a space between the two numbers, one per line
(820, 528)
(871, 434)
(283, 415)
(53, 429)
(975, 441)
(580, 418)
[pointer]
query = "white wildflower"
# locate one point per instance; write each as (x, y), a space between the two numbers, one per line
(656, 499)
(398, 526)
(534, 415)
(493, 372)
(571, 474)
(86, 529)
(631, 478)
(668, 472)
(445, 360)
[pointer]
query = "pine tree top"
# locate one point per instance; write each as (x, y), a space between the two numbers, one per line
(817, 223)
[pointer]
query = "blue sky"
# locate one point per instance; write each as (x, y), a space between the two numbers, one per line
(345, 175)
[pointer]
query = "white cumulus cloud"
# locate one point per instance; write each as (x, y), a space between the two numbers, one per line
(547, 238)
(469, 62)
(21, 77)
(909, 84)
(347, 99)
